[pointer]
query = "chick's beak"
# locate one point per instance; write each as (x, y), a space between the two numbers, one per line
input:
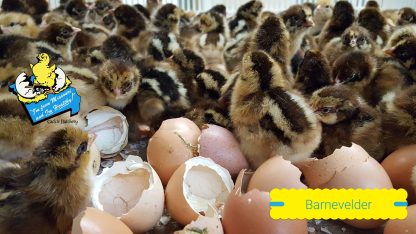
(117, 93)
(353, 42)
(389, 52)
(308, 23)
(75, 30)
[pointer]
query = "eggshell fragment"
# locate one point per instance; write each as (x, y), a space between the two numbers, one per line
(203, 224)
(399, 166)
(249, 212)
(276, 172)
(408, 225)
(92, 221)
(111, 129)
(96, 158)
(132, 191)
(173, 143)
(220, 145)
(347, 167)
(199, 186)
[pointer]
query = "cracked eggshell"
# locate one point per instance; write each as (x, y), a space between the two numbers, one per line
(199, 186)
(347, 167)
(249, 212)
(132, 191)
(173, 143)
(92, 221)
(111, 128)
(276, 172)
(95, 157)
(203, 224)
(399, 166)
(220, 145)
(407, 225)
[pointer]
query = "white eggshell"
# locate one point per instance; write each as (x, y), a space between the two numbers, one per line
(132, 191)
(203, 224)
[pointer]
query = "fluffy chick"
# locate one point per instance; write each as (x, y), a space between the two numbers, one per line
(321, 15)
(245, 19)
(162, 45)
(346, 118)
(354, 38)
(314, 73)
(44, 194)
(268, 118)
(342, 18)
(18, 24)
(119, 82)
(408, 31)
(373, 4)
(167, 18)
(399, 115)
(35, 8)
(405, 52)
(129, 22)
(372, 19)
(76, 9)
(406, 16)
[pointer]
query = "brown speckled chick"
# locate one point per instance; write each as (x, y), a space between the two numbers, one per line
(268, 118)
(346, 118)
(45, 193)
(167, 18)
(342, 18)
(246, 18)
(407, 16)
(314, 73)
(372, 19)
(405, 52)
(399, 114)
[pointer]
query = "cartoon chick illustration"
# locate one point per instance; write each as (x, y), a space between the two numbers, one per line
(45, 74)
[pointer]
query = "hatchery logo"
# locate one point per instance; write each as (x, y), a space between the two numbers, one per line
(47, 93)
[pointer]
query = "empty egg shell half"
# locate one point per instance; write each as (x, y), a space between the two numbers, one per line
(199, 186)
(172, 144)
(203, 224)
(92, 221)
(347, 167)
(220, 145)
(132, 191)
(249, 212)
(111, 129)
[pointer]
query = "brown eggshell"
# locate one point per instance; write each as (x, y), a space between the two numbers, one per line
(92, 221)
(220, 145)
(250, 212)
(175, 142)
(408, 225)
(347, 167)
(276, 173)
(399, 166)
(193, 180)
(203, 224)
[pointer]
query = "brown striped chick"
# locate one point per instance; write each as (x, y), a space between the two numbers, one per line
(97, 12)
(119, 82)
(129, 22)
(372, 19)
(77, 10)
(342, 18)
(346, 119)
(407, 16)
(245, 19)
(18, 24)
(167, 18)
(399, 114)
(46, 192)
(355, 69)
(354, 38)
(401, 33)
(162, 45)
(209, 113)
(269, 118)
(321, 15)
(405, 52)
(314, 73)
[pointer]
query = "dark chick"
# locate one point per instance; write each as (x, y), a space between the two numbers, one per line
(162, 45)
(245, 19)
(405, 52)
(407, 16)
(167, 18)
(314, 73)
(269, 118)
(130, 23)
(372, 19)
(77, 9)
(45, 193)
(35, 8)
(118, 48)
(346, 119)
(373, 4)
(342, 18)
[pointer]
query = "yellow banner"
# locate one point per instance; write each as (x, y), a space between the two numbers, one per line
(338, 204)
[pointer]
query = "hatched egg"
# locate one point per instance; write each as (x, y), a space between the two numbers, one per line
(203, 224)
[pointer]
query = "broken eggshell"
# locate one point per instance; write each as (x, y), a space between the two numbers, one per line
(220, 145)
(92, 221)
(199, 186)
(173, 143)
(249, 212)
(132, 191)
(203, 224)
(111, 128)
(347, 167)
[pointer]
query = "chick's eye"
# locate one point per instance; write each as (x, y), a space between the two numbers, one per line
(82, 148)
(326, 110)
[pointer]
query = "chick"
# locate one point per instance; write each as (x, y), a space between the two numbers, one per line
(119, 48)
(405, 52)
(209, 83)
(406, 16)
(342, 18)
(35, 8)
(18, 24)
(399, 127)
(372, 19)
(162, 45)
(143, 10)
(354, 38)
(76, 9)
(355, 69)
(298, 19)
(45, 193)
(268, 118)
(219, 9)
(119, 82)
(321, 15)
(346, 118)
(314, 73)
(59, 36)
(100, 9)
(209, 113)
(373, 4)
(167, 18)
(245, 19)
(152, 5)
(408, 31)
(129, 22)
(45, 74)
(17, 50)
